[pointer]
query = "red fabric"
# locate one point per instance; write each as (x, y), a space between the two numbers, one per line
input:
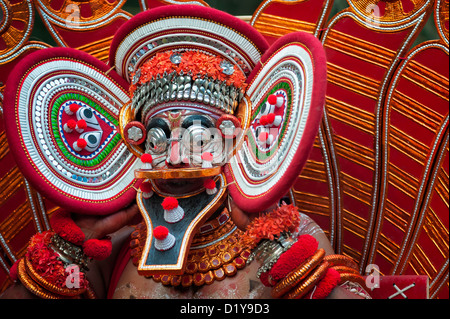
(99, 249)
(325, 286)
(64, 226)
(399, 287)
(13, 271)
(304, 248)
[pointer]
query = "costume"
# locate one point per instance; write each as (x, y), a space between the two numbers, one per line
(196, 106)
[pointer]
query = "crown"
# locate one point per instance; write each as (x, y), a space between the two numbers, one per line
(189, 75)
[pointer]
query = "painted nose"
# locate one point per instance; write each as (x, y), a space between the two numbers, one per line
(174, 156)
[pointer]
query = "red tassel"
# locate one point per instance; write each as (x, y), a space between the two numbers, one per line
(98, 249)
(272, 99)
(146, 187)
(146, 158)
(209, 183)
(64, 226)
(169, 203)
(160, 232)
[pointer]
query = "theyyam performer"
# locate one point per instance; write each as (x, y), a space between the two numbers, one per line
(196, 129)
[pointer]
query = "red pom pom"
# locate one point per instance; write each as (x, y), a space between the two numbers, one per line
(209, 183)
(146, 158)
(64, 226)
(74, 107)
(71, 124)
(160, 232)
(272, 99)
(263, 120)
(98, 249)
(169, 203)
(270, 118)
(81, 124)
(146, 187)
(81, 143)
(207, 157)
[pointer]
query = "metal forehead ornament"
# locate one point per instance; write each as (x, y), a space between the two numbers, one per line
(195, 96)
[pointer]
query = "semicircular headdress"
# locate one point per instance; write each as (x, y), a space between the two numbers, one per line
(66, 112)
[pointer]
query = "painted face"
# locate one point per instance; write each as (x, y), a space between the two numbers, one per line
(184, 139)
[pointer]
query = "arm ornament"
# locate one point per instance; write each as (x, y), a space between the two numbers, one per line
(294, 266)
(53, 268)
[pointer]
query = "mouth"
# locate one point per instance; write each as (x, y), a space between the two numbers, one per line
(179, 173)
(179, 186)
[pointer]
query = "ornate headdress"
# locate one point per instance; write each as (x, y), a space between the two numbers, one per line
(88, 136)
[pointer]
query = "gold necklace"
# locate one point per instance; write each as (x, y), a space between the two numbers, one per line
(215, 253)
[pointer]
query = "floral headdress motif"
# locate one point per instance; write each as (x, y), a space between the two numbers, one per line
(190, 75)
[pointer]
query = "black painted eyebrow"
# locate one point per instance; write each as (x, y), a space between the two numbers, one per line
(158, 122)
(204, 121)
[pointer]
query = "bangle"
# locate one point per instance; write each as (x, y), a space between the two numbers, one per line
(43, 270)
(31, 285)
(341, 260)
(345, 270)
(304, 287)
(47, 285)
(356, 289)
(353, 278)
(298, 274)
(69, 253)
(304, 248)
(269, 252)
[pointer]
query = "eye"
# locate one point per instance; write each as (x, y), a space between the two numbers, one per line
(157, 140)
(197, 132)
(85, 113)
(198, 120)
(159, 123)
(196, 137)
(92, 140)
(157, 136)
(266, 108)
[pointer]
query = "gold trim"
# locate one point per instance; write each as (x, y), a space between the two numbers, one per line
(178, 268)
(179, 173)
